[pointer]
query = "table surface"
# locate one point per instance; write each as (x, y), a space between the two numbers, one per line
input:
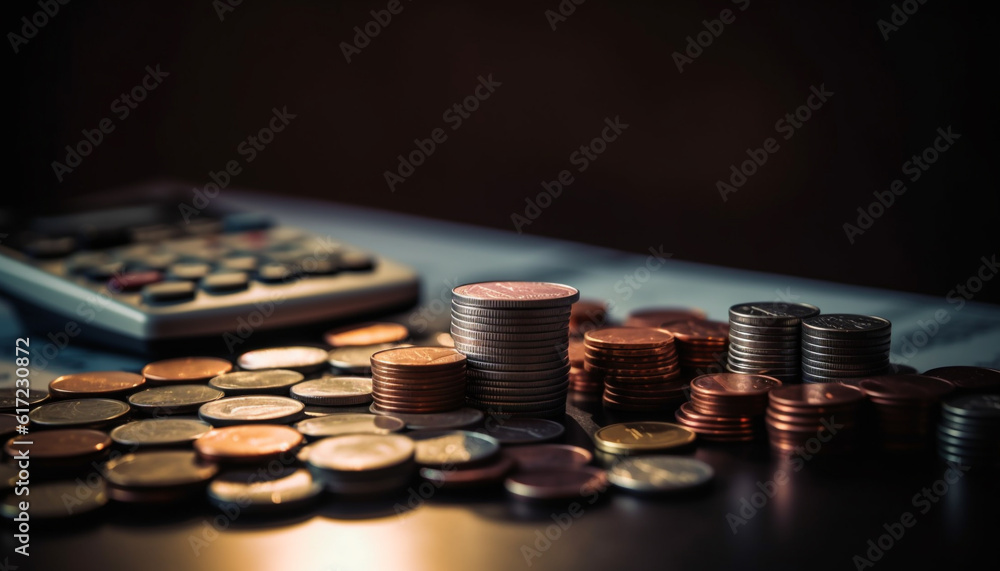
(821, 516)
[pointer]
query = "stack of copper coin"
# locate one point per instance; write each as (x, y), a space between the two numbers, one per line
(818, 419)
(727, 407)
(906, 408)
(418, 380)
(638, 366)
(580, 381)
(515, 335)
(701, 344)
(587, 315)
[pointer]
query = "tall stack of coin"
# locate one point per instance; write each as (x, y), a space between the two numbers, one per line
(764, 338)
(638, 366)
(906, 408)
(838, 346)
(727, 407)
(515, 335)
(418, 380)
(811, 420)
(701, 344)
(969, 431)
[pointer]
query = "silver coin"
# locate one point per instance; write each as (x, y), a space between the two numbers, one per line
(48, 500)
(272, 381)
(453, 448)
(78, 413)
(253, 409)
(359, 453)
(516, 367)
(470, 313)
(845, 325)
(174, 399)
(523, 430)
(253, 490)
(160, 432)
(659, 473)
(349, 423)
(301, 359)
(158, 469)
(12, 398)
(771, 313)
(461, 418)
(358, 359)
(490, 335)
(334, 391)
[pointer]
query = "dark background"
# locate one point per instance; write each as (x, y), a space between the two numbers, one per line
(655, 185)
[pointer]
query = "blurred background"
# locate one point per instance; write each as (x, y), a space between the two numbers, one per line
(556, 72)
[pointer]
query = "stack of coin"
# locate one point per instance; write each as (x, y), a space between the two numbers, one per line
(587, 315)
(838, 346)
(418, 380)
(515, 335)
(361, 464)
(727, 407)
(969, 431)
(906, 408)
(580, 381)
(638, 366)
(764, 338)
(701, 344)
(820, 419)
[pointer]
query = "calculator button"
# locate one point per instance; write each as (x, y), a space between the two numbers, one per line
(168, 291)
(356, 262)
(189, 270)
(224, 282)
(133, 281)
(273, 272)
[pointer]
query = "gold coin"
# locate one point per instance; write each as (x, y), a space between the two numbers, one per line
(640, 437)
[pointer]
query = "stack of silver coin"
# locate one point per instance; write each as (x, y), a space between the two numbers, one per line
(842, 346)
(764, 338)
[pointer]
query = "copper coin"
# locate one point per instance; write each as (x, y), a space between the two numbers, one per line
(699, 331)
(628, 338)
(366, 334)
(63, 447)
(520, 295)
(558, 483)
(302, 359)
(815, 410)
(657, 316)
(95, 384)
(547, 456)
(576, 352)
(614, 354)
(690, 412)
(186, 370)
(247, 443)
(968, 379)
(419, 358)
(906, 388)
(828, 394)
(734, 385)
(455, 477)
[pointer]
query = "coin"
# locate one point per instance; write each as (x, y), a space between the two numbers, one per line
(969, 379)
(361, 464)
(254, 491)
(455, 419)
(78, 413)
(906, 388)
(270, 381)
(985, 407)
(48, 500)
(420, 358)
(247, 443)
(521, 295)
(334, 391)
(185, 370)
(463, 477)
(548, 456)
(254, 409)
(525, 315)
(61, 448)
(771, 314)
(174, 399)
(846, 326)
(558, 483)
(523, 430)
(160, 432)
(453, 447)
(372, 333)
(109, 384)
(12, 398)
(168, 470)
(628, 338)
(658, 474)
(642, 437)
(300, 359)
(357, 359)
(349, 423)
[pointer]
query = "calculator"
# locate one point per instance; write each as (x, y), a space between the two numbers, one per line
(137, 271)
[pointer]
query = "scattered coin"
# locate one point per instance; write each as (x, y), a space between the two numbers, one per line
(558, 483)
(334, 391)
(157, 476)
(300, 359)
(357, 359)
(642, 437)
(366, 334)
(547, 456)
(108, 384)
(185, 370)
(523, 430)
(13, 398)
(456, 477)
(656, 474)
(79, 413)
(361, 464)
(61, 448)
(453, 447)
(247, 443)
(254, 409)
(349, 423)
(48, 500)
(254, 491)
(160, 432)
(269, 381)
(174, 399)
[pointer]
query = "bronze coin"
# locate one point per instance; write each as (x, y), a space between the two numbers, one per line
(454, 477)
(546, 456)
(248, 443)
(186, 370)
(628, 338)
(734, 385)
(658, 316)
(828, 394)
(366, 334)
(520, 295)
(698, 331)
(694, 415)
(558, 483)
(654, 353)
(419, 358)
(95, 384)
(64, 447)
(906, 388)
